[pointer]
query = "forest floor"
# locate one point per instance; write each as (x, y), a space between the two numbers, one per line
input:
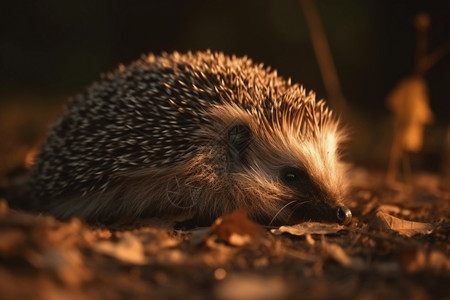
(396, 247)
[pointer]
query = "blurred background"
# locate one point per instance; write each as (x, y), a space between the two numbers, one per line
(50, 50)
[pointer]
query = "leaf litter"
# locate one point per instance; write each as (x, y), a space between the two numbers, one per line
(397, 246)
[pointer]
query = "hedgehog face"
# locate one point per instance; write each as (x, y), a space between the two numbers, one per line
(319, 205)
(287, 178)
(297, 182)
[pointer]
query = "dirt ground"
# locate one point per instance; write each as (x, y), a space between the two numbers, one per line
(396, 247)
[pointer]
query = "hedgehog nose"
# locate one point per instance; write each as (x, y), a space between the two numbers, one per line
(344, 215)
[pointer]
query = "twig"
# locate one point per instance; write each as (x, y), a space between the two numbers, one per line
(323, 54)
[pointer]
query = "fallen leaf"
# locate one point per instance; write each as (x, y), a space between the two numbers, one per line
(236, 228)
(393, 209)
(236, 239)
(385, 221)
(409, 103)
(199, 235)
(335, 252)
(129, 249)
(308, 228)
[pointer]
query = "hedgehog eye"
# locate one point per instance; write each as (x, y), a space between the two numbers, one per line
(294, 176)
(290, 176)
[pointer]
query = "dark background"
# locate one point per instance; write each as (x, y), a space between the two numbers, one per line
(51, 49)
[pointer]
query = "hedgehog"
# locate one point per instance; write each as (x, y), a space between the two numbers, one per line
(192, 137)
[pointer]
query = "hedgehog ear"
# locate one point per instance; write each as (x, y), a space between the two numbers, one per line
(239, 138)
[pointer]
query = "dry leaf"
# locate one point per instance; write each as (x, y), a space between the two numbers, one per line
(236, 239)
(393, 209)
(339, 255)
(409, 103)
(308, 228)
(129, 249)
(236, 229)
(384, 220)
(199, 235)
